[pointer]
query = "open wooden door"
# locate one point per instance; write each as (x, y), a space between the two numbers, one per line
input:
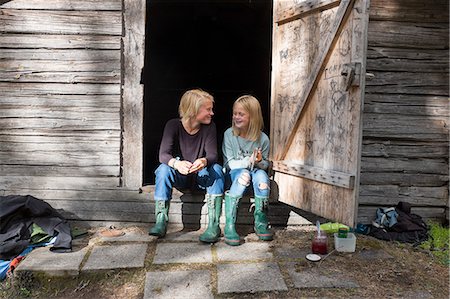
(318, 78)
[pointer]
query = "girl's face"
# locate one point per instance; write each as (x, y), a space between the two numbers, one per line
(241, 118)
(205, 113)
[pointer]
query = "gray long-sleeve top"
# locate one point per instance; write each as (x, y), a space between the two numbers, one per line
(237, 150)
(176, 142)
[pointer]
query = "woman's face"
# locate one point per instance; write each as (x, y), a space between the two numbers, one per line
(241, 118)
(205, 113)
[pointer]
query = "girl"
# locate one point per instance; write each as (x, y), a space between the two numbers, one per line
(246, 150)
(188, 153)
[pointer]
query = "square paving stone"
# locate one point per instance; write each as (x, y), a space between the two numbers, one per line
(167, 253)
(245, 252)
(291, 252)
(51, 263)
(254, 277)
(116, 256)
(313, 278)
(178, 284)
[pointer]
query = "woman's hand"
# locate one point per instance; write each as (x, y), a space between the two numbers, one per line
(198, 165)
(182, 167)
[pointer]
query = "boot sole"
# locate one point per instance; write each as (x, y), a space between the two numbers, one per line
(208, 240)
(265, 237)
(233, 242)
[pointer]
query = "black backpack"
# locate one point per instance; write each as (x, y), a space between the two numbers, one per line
(410, 228)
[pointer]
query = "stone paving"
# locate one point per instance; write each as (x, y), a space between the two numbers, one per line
(206, 269)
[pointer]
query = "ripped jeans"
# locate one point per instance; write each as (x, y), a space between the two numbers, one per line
(242, 178)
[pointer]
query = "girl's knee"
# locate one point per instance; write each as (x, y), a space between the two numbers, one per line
(244, 178)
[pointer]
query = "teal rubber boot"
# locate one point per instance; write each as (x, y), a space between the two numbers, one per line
(212, 233)
(231, 207)
(161, 218)
(261, 222)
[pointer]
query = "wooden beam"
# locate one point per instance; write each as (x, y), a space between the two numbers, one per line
(335, 178)
(305, 9)
(342, 15)
(133, 92)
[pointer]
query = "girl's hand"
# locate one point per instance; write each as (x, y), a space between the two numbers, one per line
(198, 165)
(182, 166)
(258, 156)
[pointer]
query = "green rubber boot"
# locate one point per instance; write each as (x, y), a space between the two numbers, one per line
(231, 207)
(212, 233)
(161, 218)
(261, 222)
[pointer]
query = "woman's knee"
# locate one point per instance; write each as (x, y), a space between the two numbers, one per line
(163, 170)
(244, 178)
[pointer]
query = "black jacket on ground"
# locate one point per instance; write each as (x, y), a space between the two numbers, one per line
(18, 213)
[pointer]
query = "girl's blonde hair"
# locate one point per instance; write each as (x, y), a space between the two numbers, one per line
(191, 101)
(251, 105)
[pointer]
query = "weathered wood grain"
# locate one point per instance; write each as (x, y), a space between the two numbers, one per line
(409, 10)
(65, 4)
(391, 194)
(64, 171)
(61, 102)
(63, 158)
(37, 89)
(56, 41)
(60, 22)
(402, 149)
(404, 179)
(288, 11)
(404, 165)
(62, 183)
(392, 34)
(334, 178)
(133, 91)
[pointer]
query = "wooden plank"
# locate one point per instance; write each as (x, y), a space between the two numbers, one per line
(105, 194)
(72, 171)
(391, 34)
(293, 10)
(44, 182)
(341, 16)
(401, 104)
(56, 41)
(405, 165)
(61, 22)
(389, 194)
(133, 51)
(407, 60)
(64, 5)
(90, 143)
(112, 56)
(64, 158)
(403, 179)
(17, 89)
(409, 10)
(109, 122)
(61, 77)
(60, 101)
(420, 128)
(105, 134)
(409, 83)
(400, 149)
(330, 177)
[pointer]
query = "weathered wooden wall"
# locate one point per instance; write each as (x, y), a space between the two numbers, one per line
(406, 111)
(60, 99)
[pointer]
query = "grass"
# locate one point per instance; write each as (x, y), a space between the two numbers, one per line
(438, 242)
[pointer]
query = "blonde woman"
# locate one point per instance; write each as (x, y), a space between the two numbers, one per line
(188, 153)
(245, 151)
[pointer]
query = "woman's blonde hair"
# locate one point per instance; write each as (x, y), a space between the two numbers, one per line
(251, 105)
(191, 101)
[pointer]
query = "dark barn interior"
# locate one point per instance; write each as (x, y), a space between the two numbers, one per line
(218, 46)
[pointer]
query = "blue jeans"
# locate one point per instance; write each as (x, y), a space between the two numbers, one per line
(257, 177)
(210, 178)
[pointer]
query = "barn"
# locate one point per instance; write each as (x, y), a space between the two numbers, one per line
(355, 98)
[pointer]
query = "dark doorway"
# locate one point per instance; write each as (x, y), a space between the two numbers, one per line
(223, 47)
